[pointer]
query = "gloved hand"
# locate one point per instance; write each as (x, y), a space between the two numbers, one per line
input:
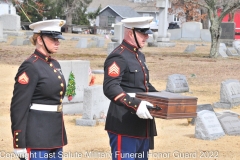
(21, 152)
(142, 111)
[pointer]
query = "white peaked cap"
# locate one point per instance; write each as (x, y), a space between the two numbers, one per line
(137, 22)
(47, 25)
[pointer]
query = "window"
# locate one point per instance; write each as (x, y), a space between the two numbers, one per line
(111, 20)
(175, 18)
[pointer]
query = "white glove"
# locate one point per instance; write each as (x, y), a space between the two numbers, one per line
(21, 152)
(142, 111)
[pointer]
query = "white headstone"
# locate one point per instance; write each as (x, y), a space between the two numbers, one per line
(10, 22)
(207, 126)
(191, 30)
(177, 83)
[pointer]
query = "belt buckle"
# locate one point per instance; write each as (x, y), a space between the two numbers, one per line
(59, 108)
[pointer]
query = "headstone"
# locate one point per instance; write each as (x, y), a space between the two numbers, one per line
(10, 22)
(20, 41)
(228, 30)
(177, 83)
(100, 42)
(232, 51)
(202, 107)
(94, 107)
(118, 32)
(75, 39)
(176, 34)
(236, 45)
(207, 126)
(222, 50)
(111, 46)
(82, 43)
(191, 31)
(229, 94)
(230, 122)
(205, 35)
(190, 48)
(80, 71)
(1, 32)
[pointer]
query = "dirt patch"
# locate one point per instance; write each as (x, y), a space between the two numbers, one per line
(175, 138)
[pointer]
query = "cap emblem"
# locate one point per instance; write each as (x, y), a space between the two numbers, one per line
(61, 23)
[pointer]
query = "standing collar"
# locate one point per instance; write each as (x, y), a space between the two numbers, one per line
(41, 55)
(129, 46)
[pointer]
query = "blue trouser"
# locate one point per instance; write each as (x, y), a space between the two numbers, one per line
(128, 148)
(48, 154)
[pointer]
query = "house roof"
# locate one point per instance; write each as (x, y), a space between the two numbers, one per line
(123, 11)
(138, 7)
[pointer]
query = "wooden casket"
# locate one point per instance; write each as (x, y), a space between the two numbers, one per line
(170, 105)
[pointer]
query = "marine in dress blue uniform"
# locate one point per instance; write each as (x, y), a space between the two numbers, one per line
(126, 73)
(36, 106)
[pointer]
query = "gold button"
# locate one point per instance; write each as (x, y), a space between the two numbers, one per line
(51, 64)
(140, 60)
(125, 99)
(46, 58)
(135, 70)
(145, 74)
(54, 70)
(16, 145)
(59, 77)
(134, 49)
(143, 67)
(145, 81)
(35, 56)
(17, 133)
(61, 84)
(61, 100)
(61, 92)
(135, 106)
(16, 139)
(121, 47)
(129, 102)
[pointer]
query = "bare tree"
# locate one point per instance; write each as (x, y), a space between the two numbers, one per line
(212, 7)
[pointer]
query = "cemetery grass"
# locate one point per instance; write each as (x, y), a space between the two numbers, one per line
(175, 138)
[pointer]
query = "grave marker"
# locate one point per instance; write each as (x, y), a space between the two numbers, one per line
(177, 83)
(230, 122)
(207, 126)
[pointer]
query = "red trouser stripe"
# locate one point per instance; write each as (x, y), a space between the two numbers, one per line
(28, 152)
(119, 143)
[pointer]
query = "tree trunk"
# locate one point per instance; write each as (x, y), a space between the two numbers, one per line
(215, 31)
(68, 18)
(205, 21)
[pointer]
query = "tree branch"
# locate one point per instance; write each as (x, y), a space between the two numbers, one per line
(198, 3)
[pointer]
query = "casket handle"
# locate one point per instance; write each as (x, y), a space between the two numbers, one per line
(156, 107)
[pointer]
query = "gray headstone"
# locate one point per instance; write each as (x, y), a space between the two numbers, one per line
(118, 32)
(94, 107)
(207, 126)
(222, 50)
(1, 32)
(202, 107)
(230, 122)
(176, 34)
(177, 83)
(11, 22)
(111, 46)
(19, 41)
(82, 43)
(190, 48)
(229, 94)
(80, 70)
(206, 35)
(75, 39)
(92, 44)
(228, 30)
(236, 45)
(232, 51)
(191, 30)
(100, 42)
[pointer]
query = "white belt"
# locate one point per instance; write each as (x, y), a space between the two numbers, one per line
(45, 107)
(132, 94)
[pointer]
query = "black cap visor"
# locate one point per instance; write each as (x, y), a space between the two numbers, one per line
(144, 30)
(53, 34)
